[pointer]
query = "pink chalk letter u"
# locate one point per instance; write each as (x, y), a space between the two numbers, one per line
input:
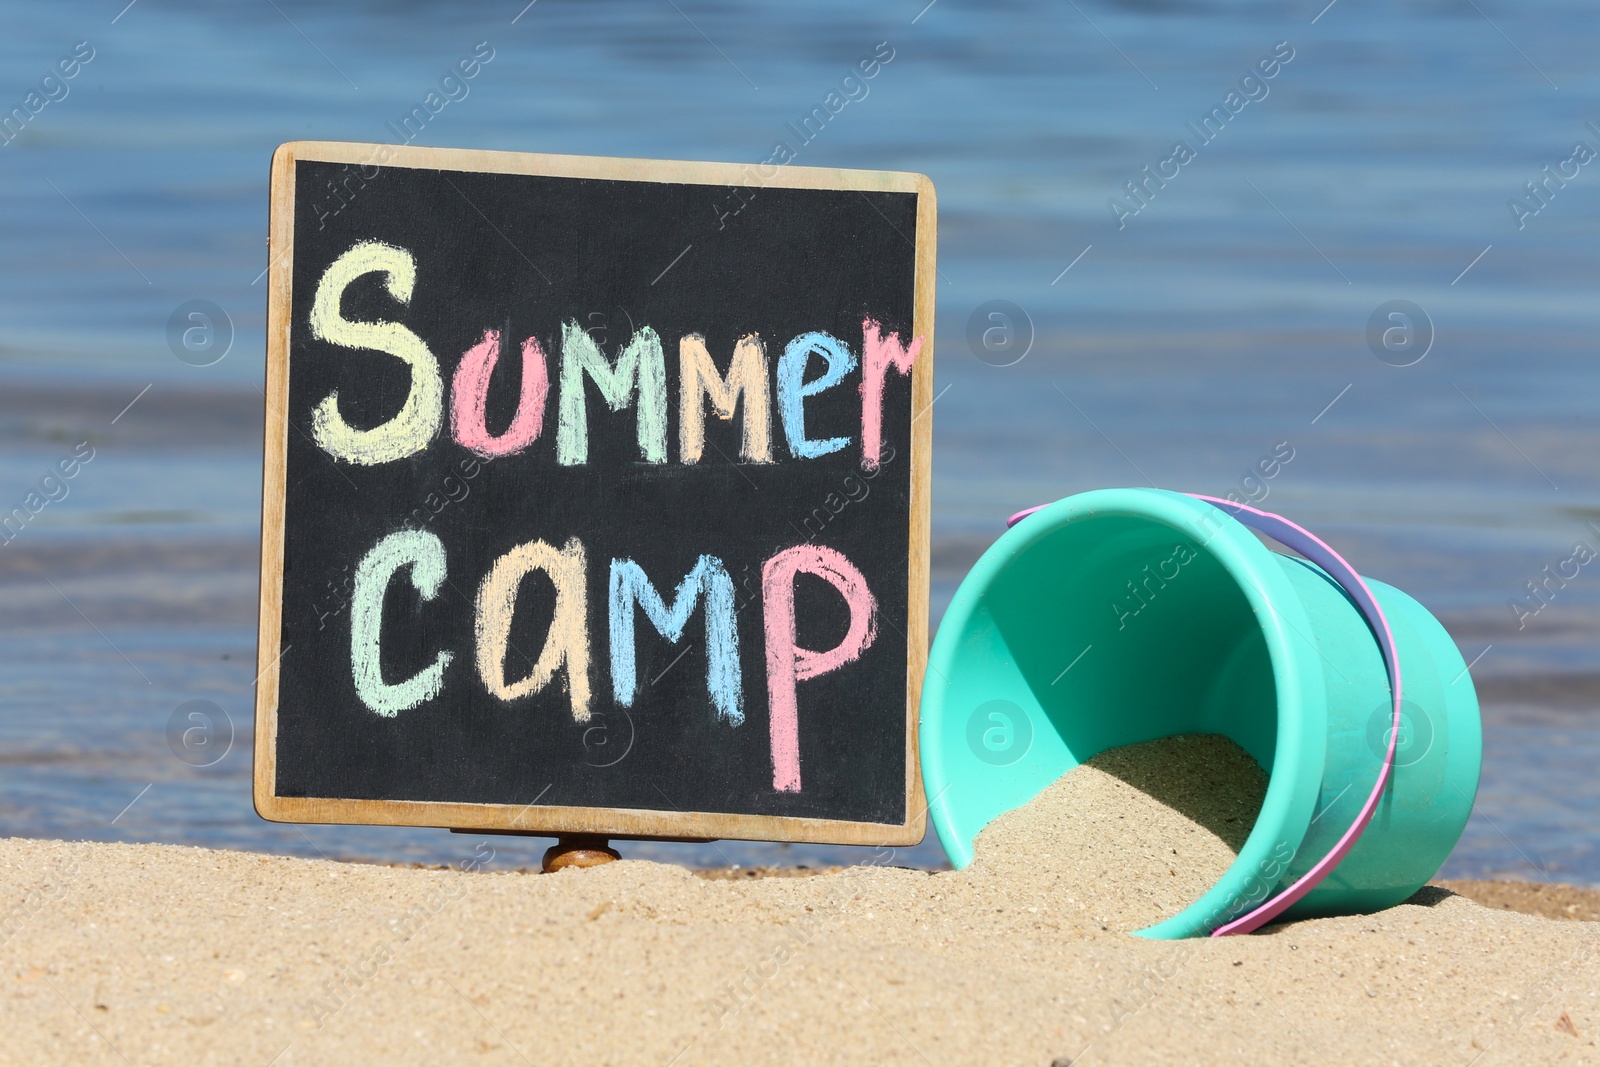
(469, 400)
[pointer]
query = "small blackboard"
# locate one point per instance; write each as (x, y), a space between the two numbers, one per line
(595, 495)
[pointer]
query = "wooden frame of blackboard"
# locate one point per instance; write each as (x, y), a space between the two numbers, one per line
(551, 820)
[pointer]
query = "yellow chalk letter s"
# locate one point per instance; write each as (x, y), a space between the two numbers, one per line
(418, 420)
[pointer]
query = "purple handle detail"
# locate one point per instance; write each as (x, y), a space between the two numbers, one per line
(1319, 552)
(1024, 513)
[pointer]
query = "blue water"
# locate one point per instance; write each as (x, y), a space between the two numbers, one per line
(1227, 315)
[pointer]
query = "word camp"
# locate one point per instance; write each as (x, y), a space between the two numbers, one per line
(637, 377)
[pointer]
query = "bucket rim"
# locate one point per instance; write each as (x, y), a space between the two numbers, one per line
(1300, 746)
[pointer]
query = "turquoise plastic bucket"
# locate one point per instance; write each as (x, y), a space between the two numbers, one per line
(1126, 615)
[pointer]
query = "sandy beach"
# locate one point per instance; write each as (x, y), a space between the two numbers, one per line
(161, 954)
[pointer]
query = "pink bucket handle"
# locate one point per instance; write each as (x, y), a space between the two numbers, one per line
(1319, 552)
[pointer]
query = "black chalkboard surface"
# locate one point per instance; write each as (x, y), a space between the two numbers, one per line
(596, 495)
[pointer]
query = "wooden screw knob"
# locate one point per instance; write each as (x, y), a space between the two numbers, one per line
(578, 850)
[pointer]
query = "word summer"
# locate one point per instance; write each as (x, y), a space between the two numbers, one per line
(637, 376)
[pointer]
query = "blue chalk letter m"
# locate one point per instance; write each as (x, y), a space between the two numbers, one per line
(630, 586)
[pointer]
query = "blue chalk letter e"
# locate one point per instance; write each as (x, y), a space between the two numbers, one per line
(793, 389)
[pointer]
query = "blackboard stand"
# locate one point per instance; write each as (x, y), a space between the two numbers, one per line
(572, 850)
(578, 850)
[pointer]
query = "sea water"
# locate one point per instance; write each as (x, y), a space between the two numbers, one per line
(1112, 311)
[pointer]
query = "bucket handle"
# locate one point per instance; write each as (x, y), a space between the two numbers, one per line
(1321, 553)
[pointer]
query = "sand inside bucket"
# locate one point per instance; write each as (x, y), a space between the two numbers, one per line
(1132, 836)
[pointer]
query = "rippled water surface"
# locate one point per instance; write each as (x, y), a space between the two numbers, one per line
(1174, 345)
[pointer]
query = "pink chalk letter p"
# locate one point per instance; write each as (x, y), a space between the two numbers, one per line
(787, 663)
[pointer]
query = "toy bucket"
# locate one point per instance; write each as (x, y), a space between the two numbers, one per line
(1126, 615)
